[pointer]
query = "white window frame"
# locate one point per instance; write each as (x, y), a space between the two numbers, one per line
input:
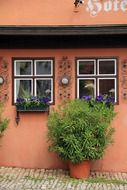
(51, 79)
(115, 85)
(33, 77)
(35, 62)
(78, 62)
(23, 61)
(86, 79)
(20, 80)
(112, 74)
(98, 76)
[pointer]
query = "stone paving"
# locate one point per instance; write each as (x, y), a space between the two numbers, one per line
(40, 179)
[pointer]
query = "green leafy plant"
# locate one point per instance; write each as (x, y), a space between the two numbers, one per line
(3, 121)
(80, 129)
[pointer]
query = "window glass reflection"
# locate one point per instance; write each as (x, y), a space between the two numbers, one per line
(107, 86)
(86, 87)
(86, 67)
(23, 88)
(107, 67)
(23, 68)
(43, 67)
(43, 88)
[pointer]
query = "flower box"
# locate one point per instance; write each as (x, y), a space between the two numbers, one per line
(32, 109)
(31, 104)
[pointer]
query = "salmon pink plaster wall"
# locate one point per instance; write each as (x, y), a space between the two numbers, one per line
(26, 145)
(62, 12)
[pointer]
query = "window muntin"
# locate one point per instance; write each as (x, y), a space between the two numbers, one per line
(23, 68)
(28, 78)
(43, 67)
(105, 82)
(86, 67)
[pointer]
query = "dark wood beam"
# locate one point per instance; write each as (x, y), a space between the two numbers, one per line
(63, 42)
(64, 30)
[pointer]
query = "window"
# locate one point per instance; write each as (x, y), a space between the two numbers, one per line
(96, 77)
(33, 77)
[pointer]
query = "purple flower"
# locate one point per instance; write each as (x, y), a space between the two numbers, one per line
(44, 100)
(20, 100)
(33, 98)
(99, 98)
(110, 99)
(86, 98)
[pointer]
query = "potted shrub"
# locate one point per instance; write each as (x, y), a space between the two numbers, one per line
(79, 131)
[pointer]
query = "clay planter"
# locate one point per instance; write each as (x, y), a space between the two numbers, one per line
(81, 170)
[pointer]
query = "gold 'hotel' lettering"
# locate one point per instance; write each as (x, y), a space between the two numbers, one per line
(96, 6)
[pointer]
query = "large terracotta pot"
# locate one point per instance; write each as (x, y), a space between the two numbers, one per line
(81, 170)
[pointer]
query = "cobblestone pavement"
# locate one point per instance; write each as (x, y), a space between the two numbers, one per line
(40, 179)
